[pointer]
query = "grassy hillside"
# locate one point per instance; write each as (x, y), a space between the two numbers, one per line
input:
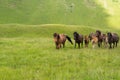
(27, 52)
(80, 12)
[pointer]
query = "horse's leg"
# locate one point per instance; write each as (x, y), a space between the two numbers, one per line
(93, 45)
(98, 43)
(63, 44)
(87, 44)
(101, 44)
(113, 44)
(75, 44)
(116, 44)
(59, 46)
(104, 44)
(78, 45)
(82, 44)
(56, 45)
(110, 45)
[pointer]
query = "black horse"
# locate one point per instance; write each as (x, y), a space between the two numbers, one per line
(78, 39)
(113, 38)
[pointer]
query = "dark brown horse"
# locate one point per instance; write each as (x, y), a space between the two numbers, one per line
(100, 37)
(113, 38)
(61, 39)
(78, 39)
(86, 40)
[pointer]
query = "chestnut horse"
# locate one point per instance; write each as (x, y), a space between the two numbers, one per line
(94, 41)
(78, 39)
(90, 35)
(61, 39)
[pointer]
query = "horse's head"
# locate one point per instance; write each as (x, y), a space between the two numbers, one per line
(91, 34)
(98, 33)
(76, 35)
(56, 36)
(109, 34)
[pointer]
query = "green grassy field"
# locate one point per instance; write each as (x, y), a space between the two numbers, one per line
(27, 49)
(97, 13)
(27, 52)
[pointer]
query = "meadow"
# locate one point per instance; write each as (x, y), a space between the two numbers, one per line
(27, 52)
(98, 13)
(27, 48)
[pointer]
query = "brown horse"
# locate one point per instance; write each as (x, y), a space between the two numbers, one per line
(105, 40)
(94, 41)
(86, 40)
(78, 39)
(90, 35)
(61, 39)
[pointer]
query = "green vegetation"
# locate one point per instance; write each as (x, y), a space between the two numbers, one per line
(104, 13)
(27, 52)
(27, 49)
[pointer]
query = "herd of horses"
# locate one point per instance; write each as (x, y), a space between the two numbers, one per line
(97, 38)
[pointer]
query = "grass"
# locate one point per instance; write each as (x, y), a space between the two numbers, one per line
(27, 52)
(69, 12)
(112, 9)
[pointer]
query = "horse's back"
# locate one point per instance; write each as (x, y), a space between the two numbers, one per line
(81, 37)
(115, 36)
(62, 37)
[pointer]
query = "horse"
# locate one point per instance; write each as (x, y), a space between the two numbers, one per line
(94, 41)
(100, 37)
(113, 38)
(86, 40)
(90, 35)
(105, 40)
(78, 39)
(61, 39)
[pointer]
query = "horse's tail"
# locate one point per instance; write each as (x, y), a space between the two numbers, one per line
(69, 39)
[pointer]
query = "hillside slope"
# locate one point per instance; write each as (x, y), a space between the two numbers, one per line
(75, 12)
(27, 52)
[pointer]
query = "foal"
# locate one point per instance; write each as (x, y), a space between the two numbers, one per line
(61, 39)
